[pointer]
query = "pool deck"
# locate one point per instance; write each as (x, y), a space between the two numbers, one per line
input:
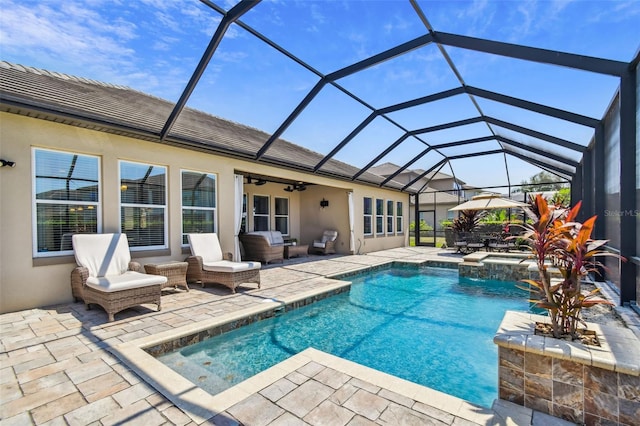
(64, 365)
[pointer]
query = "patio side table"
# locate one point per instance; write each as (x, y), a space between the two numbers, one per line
(291, 251)
(176, 273)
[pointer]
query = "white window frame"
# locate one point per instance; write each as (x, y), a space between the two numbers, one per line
(254, 215)
(183, 207)
(399, 218)
(367, 215)
(287, 216)
(97, 205)
(390, 219)
(379, 216)
(154, 206)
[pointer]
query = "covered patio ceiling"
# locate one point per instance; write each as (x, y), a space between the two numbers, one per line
(479, 123)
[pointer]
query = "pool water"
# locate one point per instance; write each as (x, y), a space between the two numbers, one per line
(425, 325)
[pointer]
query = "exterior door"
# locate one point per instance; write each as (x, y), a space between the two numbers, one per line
(426, 236)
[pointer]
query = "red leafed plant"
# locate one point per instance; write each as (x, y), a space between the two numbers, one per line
(557, 239)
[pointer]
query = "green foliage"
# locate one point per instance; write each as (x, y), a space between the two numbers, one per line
(556, 238)
(540, 182)
(467, 221)
(424, 226)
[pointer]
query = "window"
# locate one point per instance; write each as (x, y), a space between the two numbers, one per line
(66, 196)
(389, 217)
(198, 203)
(282, 215)
(399, 218)
(143, 195)
(367, 208)
(260, 213)
(379, 216)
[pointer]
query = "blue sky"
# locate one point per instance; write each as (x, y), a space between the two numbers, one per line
(154, 46)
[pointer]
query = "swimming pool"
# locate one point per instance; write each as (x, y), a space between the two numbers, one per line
(428, 326)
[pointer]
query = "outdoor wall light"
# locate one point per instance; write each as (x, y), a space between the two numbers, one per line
(324, 203)
(7, 163)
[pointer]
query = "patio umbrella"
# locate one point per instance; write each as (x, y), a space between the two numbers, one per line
(488, 202)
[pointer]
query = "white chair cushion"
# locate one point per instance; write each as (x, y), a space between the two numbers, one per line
(227, 266)
(102, 254)
(329, 236)
(206, 246)
(273, 237)
(126, 281)
(276, 238)
(326, 236)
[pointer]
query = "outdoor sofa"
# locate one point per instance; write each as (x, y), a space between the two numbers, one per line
(263, 246)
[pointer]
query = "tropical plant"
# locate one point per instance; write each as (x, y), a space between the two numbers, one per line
(467, 221)
(556, 239)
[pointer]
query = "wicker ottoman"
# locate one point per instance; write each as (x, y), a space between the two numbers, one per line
(176, 273)
(293, 251)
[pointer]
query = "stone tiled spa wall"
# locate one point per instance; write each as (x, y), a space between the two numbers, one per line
(585, 384)
(567, 389)
(494, 271)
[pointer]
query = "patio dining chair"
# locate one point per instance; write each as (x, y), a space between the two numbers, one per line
(106, 276)
(327, 243)
(207, 265)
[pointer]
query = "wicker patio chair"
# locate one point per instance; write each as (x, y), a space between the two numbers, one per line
(106, 276)
(207, 265)
(327, 243)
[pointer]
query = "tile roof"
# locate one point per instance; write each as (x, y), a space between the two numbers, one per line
(121, 110)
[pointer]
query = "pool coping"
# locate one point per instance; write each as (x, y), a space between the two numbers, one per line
(201, 406)
(197, 403)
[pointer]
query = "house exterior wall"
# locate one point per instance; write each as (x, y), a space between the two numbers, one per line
(27, 281)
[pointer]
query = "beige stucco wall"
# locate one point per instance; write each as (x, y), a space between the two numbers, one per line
(27, 282)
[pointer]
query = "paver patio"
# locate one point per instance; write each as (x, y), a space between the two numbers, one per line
(57, 365)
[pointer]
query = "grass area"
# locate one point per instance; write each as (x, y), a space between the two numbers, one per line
(439, 241)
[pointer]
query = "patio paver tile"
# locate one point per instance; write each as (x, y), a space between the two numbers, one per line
(433, 412)
(44, 382)
(305, 398)
(396, 414)
(288, 419)
(329, 414)
(92, 412)
(256, 410)
(345, 392)
(310, 369)
(17, 420)
(361, 421)
(57, 408)
(332, 378)
(10, 391)
(102, 386)
(34, 400)
(83, 372)
(397, 398)
(140, 413)
(133, 394)
(278, 389)
(366, 404)
(176, 416)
